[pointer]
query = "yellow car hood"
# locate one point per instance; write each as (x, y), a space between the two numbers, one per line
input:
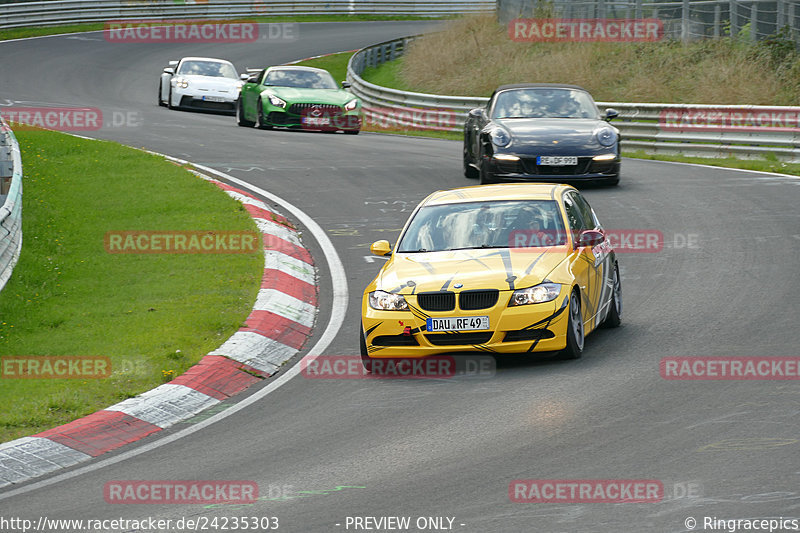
(493, 268)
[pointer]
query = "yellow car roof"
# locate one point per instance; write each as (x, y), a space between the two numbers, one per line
(505, 191)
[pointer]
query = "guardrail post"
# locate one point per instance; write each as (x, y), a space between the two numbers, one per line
(734, 18)
(717, 20)
(639, 9)
(754, 22)
(685, 11)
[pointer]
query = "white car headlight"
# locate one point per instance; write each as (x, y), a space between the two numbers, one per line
(386, 301)
(277, 102)
(351, 105)
(544, 292)
(500, 137)
(606, 136)
(181, 83)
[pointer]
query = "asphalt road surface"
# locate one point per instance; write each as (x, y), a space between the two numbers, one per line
(724, 284)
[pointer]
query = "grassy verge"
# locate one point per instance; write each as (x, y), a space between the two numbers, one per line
(19, 33)
(761, 165)
(154, 315)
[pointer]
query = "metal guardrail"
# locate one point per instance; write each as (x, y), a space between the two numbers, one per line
(642, 126)
(59, 12)
(10, 203)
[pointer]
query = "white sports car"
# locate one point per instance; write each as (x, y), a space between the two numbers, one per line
(199, 83)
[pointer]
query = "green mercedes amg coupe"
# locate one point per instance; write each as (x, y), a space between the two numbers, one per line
(297, 97)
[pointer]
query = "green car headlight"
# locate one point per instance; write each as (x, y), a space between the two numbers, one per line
(544, 292)
(277, 102)
(386, 301)
(351, 105)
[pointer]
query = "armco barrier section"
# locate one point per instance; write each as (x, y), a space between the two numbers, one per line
(59, 12)
(686, 129)
(10, 203)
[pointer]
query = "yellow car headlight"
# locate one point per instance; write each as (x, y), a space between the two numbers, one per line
(386, 301)
(544, 292)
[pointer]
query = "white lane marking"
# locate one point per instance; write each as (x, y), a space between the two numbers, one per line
(290, 265)
(339, 309)
(286, 306)
(165, 405)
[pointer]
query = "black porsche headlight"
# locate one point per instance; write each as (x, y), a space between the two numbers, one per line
(500, 137)
(606, 136)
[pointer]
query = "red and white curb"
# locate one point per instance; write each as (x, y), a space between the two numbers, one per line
(277, 328)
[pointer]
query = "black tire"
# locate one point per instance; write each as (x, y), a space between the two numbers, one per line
(485, 176)
(614, 317)
(575, 333)
(352, 132)
(470, 172)
(365, 358)
(240, 120)
(169, 100)
(160, 101)
(261, 121)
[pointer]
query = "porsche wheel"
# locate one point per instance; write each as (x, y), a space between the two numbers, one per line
(160, 101)
(470, 172)
(169, 99)
(262, 122)
(614, 317)
(575, 338)
(240, 120)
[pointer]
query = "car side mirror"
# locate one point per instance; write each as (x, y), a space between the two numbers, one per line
(590, 237)
(169, 70)
(611, 114)
(381, 248)
(477, 113)
(346, 85)
(244, 76)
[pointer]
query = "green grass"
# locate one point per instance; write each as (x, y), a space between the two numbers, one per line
(761, 165)
(150, 313)
(19, 33)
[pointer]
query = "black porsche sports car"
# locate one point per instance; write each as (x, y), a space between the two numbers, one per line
(541, 132)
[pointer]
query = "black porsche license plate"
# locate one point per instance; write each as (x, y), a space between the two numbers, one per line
(557, 160)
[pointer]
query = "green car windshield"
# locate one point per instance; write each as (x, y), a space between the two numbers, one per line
(300, 79)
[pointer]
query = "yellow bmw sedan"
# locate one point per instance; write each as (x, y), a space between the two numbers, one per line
(512, 268)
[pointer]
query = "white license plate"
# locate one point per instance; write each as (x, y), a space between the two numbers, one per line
(213, 99)
(557, 160)
(317, 121)
(459, 323)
